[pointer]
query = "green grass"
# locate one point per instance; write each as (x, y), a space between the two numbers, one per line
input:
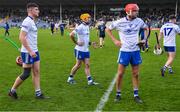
(57, 59)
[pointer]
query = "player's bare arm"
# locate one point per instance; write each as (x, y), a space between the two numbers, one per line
(147, 31)
(159, 38)
(72, 35)
(22, 38)
(116, 42)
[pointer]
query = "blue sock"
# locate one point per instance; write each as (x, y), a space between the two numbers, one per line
(170, 69)
(13, 90)
(135, 92)
(38, 92)
(118, 93)
(165, 67)
(89, 78)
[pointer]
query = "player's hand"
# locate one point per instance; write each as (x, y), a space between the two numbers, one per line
(117, 43)
(33, 54)
(80, 43)
(141, 43)
(94, 44)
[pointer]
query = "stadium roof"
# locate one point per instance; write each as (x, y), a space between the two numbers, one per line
(83, 2)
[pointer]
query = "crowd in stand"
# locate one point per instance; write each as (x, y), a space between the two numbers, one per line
(156, 16)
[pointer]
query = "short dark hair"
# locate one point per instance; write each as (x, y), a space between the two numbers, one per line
(172, 17)
(29, 5)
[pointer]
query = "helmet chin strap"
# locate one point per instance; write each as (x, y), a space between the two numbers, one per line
(85, 23)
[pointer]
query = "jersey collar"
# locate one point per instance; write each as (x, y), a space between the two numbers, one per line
(30, 17)
(128, 19)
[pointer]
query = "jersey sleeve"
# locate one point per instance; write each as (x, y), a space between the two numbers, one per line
(161, 30)
(77, 30)
(25, 26)
(177, 29)
(143, 24)
(113, 25)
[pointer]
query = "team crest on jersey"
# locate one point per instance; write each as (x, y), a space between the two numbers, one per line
(128, 30)
(130, 25)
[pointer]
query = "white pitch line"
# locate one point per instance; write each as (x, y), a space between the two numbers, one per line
(105, 96)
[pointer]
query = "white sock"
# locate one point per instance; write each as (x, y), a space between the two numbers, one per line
(13, 90)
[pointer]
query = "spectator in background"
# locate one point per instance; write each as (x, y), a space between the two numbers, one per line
(6, 27)
(62, 29)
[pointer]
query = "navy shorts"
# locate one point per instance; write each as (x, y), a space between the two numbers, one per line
(170, 48)
(81, 55)
(134, 58)
(101, 35)
(27, 59)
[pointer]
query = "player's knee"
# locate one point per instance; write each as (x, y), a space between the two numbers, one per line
(135, 74)
(25, 74)
(36, 72)
(87, 65)
(120, 74)
(78, 65)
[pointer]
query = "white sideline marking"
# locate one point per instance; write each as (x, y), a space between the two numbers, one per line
(105, 96)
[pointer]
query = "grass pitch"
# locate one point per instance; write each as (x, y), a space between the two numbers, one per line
(57, 59)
